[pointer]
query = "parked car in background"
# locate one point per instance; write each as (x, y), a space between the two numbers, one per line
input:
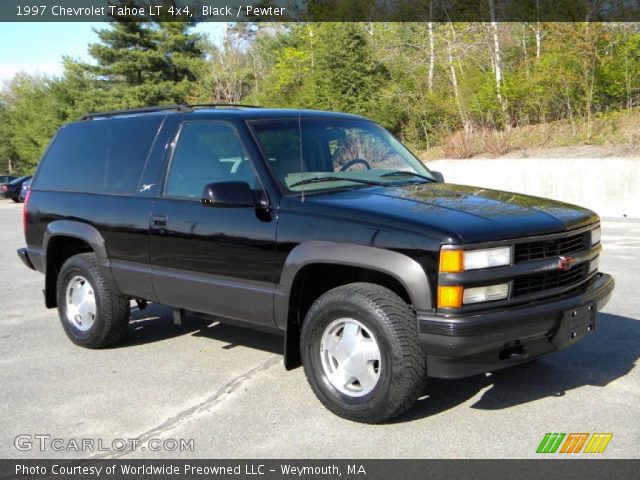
(12, 189)
(26, 185)
(6, 179)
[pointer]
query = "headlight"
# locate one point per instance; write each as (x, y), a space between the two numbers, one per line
(455, 261)
(595, 236)
(491, 257)
(485, 294)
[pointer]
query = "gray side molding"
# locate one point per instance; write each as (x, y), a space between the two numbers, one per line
(82, 231)
(404, 269)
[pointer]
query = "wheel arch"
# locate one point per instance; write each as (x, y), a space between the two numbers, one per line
(391, 269)
(62, 239)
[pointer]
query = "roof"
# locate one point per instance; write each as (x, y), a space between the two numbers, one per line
(242, 111)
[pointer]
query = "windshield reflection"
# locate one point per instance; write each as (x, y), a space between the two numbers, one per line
(320, 154)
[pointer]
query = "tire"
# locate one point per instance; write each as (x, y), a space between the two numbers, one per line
(101, 315)
(15, 199)
(369, 316)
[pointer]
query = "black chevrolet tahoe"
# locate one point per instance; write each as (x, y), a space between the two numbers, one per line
(317, 225)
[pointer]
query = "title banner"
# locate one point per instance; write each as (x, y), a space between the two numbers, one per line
(320, 10)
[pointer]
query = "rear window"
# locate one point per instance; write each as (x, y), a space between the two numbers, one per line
(102, 156)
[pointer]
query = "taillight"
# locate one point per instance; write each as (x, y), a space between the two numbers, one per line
(24, 211)
(4, 188)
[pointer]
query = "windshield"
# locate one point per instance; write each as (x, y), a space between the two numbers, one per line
(319, 154)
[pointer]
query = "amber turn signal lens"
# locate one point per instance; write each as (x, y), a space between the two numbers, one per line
(451, 261)
(450, 296)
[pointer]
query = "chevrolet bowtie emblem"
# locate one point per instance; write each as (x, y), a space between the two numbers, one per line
(566, 262)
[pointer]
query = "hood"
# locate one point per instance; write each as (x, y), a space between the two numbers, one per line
(462, 213)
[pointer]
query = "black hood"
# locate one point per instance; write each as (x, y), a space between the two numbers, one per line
(468, 214)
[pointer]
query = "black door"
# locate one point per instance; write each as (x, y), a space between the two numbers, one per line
(214, 260)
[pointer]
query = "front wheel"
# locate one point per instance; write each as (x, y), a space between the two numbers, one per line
(360, 351)
(93, 313)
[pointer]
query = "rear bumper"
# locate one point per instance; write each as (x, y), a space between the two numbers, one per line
(24, 256)
(460, 346)
(32, 258)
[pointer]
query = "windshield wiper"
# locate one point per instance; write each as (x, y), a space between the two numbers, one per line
(404, 173)
(334, 179)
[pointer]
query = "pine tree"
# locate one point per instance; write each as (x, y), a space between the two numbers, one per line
(346, 76)
(146, 63)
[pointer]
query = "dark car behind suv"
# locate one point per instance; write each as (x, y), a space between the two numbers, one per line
(6, 179)
(12, 189)
(317, 225)
(24, 190)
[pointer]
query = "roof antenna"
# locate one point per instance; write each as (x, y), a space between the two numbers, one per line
(301, 156)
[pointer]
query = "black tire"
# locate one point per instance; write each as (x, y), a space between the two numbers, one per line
(112, 310)
(16, 200)
(402, 374)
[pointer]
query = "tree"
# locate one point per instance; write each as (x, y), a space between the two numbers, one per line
(146, 63)
(345, 76)
(35, 113)
(420, 80)
(7, 152)
(228, 76)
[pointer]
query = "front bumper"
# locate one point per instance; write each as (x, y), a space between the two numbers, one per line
(465, 345)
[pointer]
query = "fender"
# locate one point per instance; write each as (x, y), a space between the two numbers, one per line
(407, 271)
(81, 231)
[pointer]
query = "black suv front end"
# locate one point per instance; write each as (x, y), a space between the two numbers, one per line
(507, 302)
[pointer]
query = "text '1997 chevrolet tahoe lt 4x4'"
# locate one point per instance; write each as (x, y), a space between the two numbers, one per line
(317, 225)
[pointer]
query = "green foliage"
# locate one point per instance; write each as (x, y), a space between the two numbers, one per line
(7, 153)
(141, 64)
(34, 113)
(422, 82)
(328, 66)
(135, 64)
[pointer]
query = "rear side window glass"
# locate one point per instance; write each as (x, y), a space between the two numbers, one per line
(207, 153)
(102, 156)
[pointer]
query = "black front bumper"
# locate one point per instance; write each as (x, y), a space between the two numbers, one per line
(460, 346)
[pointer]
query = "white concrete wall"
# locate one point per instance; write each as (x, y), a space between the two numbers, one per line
(609, 186)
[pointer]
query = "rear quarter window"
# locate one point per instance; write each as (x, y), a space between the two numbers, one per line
(101, 156)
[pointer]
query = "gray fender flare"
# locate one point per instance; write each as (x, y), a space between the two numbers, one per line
(404, 269)
(81, 231)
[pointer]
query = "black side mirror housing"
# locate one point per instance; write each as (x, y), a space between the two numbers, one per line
(231, 194)
(438, 176)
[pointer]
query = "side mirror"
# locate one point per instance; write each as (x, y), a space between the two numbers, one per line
(230, 194)
(438, 176)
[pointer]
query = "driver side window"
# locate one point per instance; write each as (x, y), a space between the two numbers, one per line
(207, 153)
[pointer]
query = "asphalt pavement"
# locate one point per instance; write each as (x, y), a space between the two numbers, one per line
(217, 391)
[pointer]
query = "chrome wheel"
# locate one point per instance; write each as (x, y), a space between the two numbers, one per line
(81, 303)
(350, 357)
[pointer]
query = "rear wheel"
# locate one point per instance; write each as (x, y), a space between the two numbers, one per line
(92, 312)
(359, 346)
